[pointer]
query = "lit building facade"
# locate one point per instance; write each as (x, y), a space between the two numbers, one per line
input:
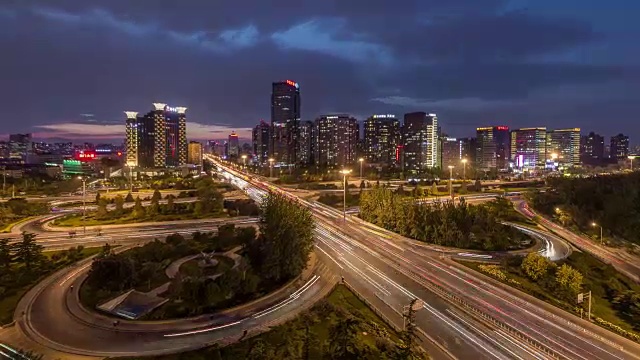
(563, 146)
(195, 153)
(493, 147)
(420, 137)
(451, 149)
(592, 149)
(529, 147)
(285, 121)
(307, 143)
(20, 147)
(382, 137)
(619, 148)
(260, 142)
(336, 140)
(233, 146)
(158, 139)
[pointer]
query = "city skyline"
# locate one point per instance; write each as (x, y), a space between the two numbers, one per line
(557, 70)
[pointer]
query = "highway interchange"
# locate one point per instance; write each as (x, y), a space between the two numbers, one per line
(464, 315)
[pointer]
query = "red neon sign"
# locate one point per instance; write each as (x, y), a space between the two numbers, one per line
(86, 155)
(502, 127)
(292, 83)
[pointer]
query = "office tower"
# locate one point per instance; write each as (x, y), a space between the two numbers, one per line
(195, 153)
(592, 149)
(337, 138)
(451, 152)
(493, 147)
(307, 143)
(420, 142)
(176, 136)
(285, 121)
(157, 139)
(619, 148)
(20, 147)
(5, 149)
(528, 147)
(233, 146)
(563, 146)
(382, 137)
(260, 140)
(468, 149)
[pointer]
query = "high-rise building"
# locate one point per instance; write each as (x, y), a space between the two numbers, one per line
(592, 149)
(285, 121)
(420, 133)
(5, 150)
(468, 148)
(195, 153)
(307, 143)
(451, 149)
(20, 147)
(158, 139)
(260, 141)
(493, 147)
(619, 147)
(563, 146)
(382, 137)
(233, 146)
(528, 147)
(337, 138)
(176, 137)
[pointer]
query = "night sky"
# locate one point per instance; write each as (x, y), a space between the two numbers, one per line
(68, 69)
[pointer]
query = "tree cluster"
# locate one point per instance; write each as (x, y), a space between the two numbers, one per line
(611, 201)
(442, 223)
(564, 281)
(16, 209)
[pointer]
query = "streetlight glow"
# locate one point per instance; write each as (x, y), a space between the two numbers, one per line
(344, 173)
(361, 161)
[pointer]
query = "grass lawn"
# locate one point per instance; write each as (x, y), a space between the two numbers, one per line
(600, 278)
(10, 226)
(9, 301)
(336, 308)
(191, 267)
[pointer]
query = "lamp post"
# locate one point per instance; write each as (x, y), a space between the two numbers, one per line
(271, 160)
(631, 157)
(464, 170)
(84, 204)
(451, 181)
(601, 239)
(344, 173)
(244, 161)
(361, 161)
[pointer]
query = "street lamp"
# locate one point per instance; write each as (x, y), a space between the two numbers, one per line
(361, 161)
(451, 181)
(631, 157)
(271, 160)
(344, 173)
(84, 203)
(601, 239)
(244, 161)
(464, 170)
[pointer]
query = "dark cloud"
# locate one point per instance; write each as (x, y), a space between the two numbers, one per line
(466, 59)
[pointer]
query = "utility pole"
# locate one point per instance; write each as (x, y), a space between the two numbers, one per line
(84, 205)
(361, 161)
(344, 172)
(451, 181)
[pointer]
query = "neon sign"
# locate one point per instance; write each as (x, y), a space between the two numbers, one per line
(171, 109)
(292, 83)
(502, 127)
(86, 155)
(384, 116)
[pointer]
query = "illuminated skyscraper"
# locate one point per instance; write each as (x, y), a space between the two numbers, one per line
(420, 133)
(563, 146)
(157, 139)
(233, 144)
(285, 121)
(529, 147)
(195, 153)
(20, 147)
(307, 143)
(451, 149)
(337, 139)
(493, 147)
(260, 141)
(381, 139)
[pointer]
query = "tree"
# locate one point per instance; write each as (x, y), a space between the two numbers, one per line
(569, 280)
(97, 197)
(74, 253)
(119, 203)
(157, 196)
(138, 209)
(286, 239)
(5, 255)
(343, 340)
(170, 204)
(535, 266)
(362, 184)
(408, 347)
(27, 251)
(102, 208)
(112, 272)
(434, 189)
(129, 198)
